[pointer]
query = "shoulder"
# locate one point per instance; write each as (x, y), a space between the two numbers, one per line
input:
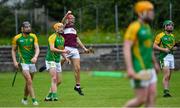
(17, 36)
(33, 35)
(52, 37)
(134, 25)
(160, 35)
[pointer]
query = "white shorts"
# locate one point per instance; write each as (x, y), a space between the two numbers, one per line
(29, 67)
(74, 53)
(145, 83)
(52, 64)
(168, 61)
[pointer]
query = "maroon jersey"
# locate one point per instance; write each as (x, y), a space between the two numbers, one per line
(70, 35)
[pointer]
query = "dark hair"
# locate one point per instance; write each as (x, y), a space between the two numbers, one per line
(25, 23)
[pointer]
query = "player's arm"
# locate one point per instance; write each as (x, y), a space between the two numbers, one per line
(36, 47)
(65, 58)
(129, 40)
(156, 65)
(157, 42)
(64, 18)
(13, 52)
(53, 49)
(81, 45)
(127, 56)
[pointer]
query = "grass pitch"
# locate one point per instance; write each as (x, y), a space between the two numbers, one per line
(99, 91)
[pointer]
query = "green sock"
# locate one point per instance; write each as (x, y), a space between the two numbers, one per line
(25, 98)
(166, 91)
(54, 95)
(34, 99)
(50, 94)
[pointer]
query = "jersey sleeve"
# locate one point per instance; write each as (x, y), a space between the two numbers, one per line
(35, 38)
(131, 32)
(52, 39)
(14, 40)
(158, 38)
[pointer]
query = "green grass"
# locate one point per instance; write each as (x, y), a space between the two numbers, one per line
(99, 91)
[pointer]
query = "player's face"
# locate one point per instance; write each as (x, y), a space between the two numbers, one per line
(169, 27)
(150, 15)
(60, 30)
(71, 20)
(27, 29)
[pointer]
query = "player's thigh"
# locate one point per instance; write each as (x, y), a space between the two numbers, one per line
(75, 62)
(52, 72)
(141, 93)
(59, 77)
(152, 89)
(26, 74)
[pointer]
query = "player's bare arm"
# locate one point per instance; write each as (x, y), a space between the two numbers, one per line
(66, 59)
(64, 18)
(13, 51)
(156, 65)
(53, 49)
(128, 60)
(34, 59)
(81, 45)
(160, 48)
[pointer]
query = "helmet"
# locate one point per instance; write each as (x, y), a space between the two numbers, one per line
(57, 25)
(142, 6)
(167, 22)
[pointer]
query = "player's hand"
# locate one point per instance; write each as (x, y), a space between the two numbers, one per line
(131, 73)
(33, 60)
(16, 65)
(166, 50)
(69, 12)
(65, 51)
(86, 50)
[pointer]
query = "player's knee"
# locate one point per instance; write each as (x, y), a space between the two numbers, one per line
(142, 99)
(29, 81)
(54, 80)
(77, 68)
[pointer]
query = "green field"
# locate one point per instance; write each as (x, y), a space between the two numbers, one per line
(99, 91)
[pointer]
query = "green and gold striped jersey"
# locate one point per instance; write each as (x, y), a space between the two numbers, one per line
(57, 42)
(141, 51)
(165, 41)
(25, 47)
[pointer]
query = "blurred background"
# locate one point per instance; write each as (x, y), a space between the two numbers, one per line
(97, 21)
(100, 23)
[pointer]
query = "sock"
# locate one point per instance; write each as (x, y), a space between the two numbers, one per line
(54, 94)
(25, 98)
(166, 91)
(50, 94)
(33, 100)
(77, 85)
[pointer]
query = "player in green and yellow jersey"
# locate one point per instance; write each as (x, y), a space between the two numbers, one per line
(25, 45)
(139, 57)
(53, 58)
(164, 42)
